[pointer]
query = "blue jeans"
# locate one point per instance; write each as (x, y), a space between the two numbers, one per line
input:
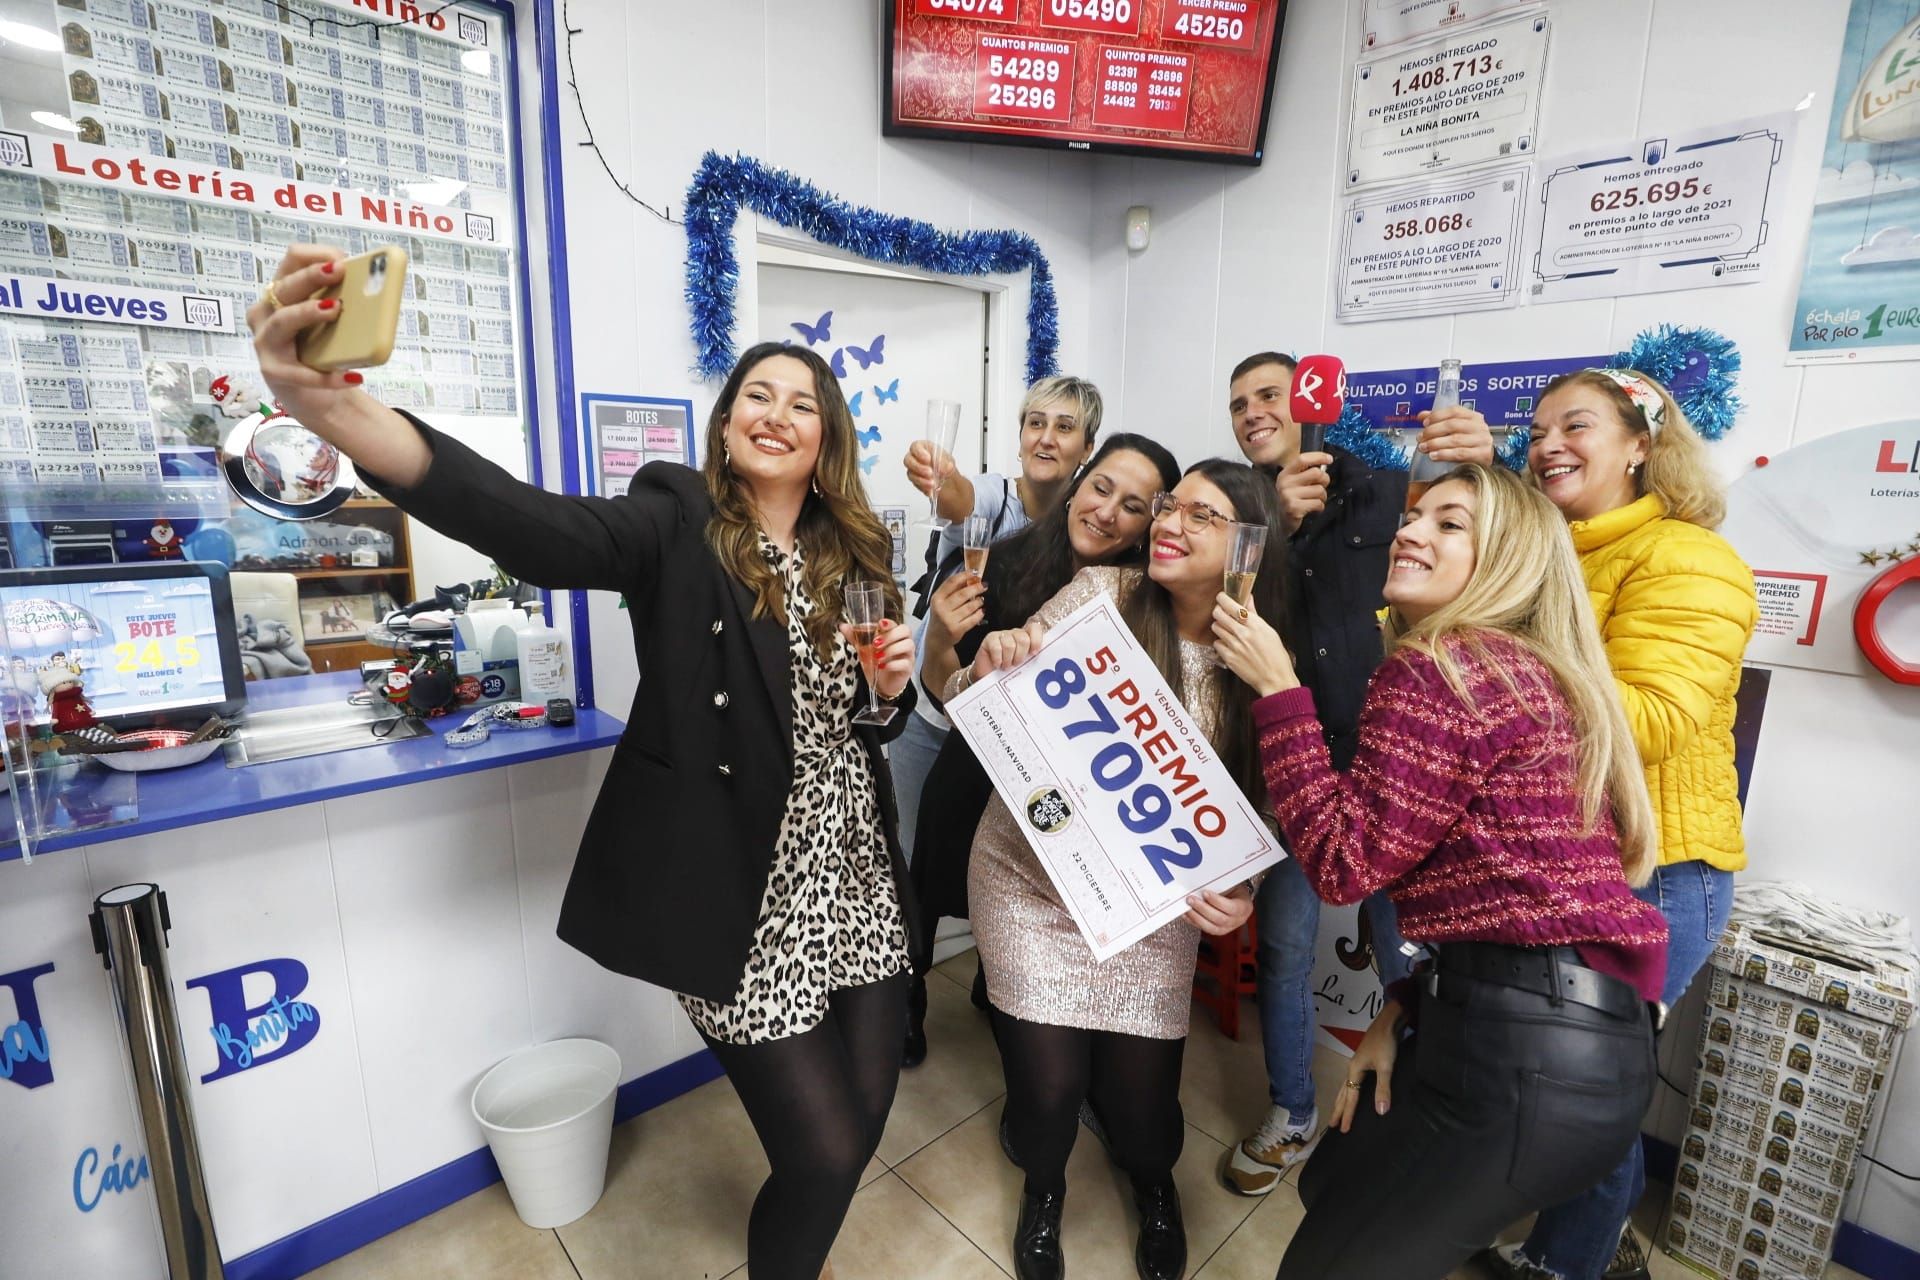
(1288, 915)
(910, 756)
(1576, 1239)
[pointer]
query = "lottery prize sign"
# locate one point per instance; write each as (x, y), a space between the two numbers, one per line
(1127, 806)
(1471, 98)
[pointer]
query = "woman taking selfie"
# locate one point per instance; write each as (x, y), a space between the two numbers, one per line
(1112, 1033)
(1102, 520)
(740, 852)
(1496, 796)
(1676, 607)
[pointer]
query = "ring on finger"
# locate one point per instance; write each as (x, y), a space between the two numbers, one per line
(273, 296)
(1243, 613)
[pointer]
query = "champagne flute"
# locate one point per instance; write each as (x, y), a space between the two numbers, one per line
(866, 605)
(976, 535)
(1246, 543)
(943, 432)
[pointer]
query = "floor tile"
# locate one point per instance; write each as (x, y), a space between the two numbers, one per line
(891, 1233)
(1223, 1083)
(1253, 1251)
(965, 1177)
(478, 1238)
(961, 1074)
(960, 968)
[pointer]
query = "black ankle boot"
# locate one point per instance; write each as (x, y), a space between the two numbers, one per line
(1161, 1253)
(915, 1050)
(1036, 1241)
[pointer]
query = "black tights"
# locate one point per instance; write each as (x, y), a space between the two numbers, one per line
(1133, 1083)
(819, 1102)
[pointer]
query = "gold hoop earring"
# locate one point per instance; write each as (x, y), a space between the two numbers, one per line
(726, 456)
(815, 484)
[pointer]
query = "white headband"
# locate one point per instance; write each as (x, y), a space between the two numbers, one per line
(1642, 393)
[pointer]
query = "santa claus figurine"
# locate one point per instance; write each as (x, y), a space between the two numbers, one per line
(162, 542)
(66, 694)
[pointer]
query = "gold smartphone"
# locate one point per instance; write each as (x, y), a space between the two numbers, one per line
(370, 290)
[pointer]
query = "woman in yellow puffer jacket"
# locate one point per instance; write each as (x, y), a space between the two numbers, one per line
(1676, 607)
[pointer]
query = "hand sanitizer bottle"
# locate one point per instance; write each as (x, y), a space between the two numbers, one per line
(546, 668)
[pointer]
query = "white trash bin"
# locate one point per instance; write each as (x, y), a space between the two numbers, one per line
(547, 1113)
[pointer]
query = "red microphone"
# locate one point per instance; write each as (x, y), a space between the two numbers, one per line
(1319, 394)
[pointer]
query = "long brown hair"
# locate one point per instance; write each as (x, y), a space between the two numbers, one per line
(1148, 611)
(844, 540)
(1527, 584)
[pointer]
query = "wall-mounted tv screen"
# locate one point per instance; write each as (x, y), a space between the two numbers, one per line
(1190, 78)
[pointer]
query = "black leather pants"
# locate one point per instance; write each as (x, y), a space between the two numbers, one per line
(1502, 1103)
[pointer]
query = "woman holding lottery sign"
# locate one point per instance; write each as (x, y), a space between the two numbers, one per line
(1071, 1029)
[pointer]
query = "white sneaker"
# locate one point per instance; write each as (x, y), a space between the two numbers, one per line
(1262, 1159)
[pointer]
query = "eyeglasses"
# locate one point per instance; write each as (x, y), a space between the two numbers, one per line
(1195, 515)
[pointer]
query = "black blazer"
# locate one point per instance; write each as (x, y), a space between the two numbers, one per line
(674, 861)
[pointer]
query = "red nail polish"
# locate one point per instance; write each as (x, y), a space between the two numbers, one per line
(326, 268)
(353, 377)
(328, 304)
(885, 623)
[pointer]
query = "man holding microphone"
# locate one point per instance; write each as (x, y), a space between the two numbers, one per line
(1341, 516)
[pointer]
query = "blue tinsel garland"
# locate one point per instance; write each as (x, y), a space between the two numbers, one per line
(1699, 366)
(724, 184)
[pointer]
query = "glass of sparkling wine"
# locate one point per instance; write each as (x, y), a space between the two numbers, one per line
(976, 535)
(866, 605)
(943, 432)
(1245, 544)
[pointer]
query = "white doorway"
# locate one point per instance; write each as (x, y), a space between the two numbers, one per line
(897, 342)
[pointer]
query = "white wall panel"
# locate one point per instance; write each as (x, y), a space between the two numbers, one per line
(285, 1142)
(430, 925)
(45, 1131)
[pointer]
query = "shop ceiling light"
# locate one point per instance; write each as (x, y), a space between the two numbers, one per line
(32, 37)
(54, 120)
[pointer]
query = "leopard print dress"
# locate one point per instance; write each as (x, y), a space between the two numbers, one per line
(830, 917)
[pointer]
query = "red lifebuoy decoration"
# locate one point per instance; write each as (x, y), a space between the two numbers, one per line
(1866, 630)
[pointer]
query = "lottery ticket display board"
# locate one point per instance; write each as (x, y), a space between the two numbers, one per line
(157, 157)
(1141, 77)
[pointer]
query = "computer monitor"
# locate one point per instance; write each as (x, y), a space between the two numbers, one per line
(151, 643)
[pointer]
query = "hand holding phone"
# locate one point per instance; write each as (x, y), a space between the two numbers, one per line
(370, 290)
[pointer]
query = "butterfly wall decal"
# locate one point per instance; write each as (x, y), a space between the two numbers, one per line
(889, 392)
(853, 405)
(870, 355)
(868, 436)
(819, 331)
(866, 463)
(839, 363)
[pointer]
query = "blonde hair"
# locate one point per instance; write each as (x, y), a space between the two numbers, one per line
(1677, 470)
(1063, 386)
(1527, 584)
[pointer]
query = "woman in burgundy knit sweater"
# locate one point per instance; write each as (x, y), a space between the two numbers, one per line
(1498, 798)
